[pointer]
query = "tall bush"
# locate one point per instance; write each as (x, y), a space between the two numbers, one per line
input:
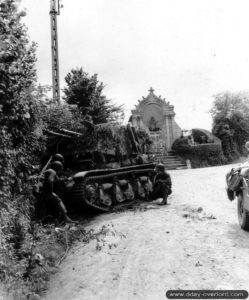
(86, 92)
(20, 146)
(230, 113)
(200, 155)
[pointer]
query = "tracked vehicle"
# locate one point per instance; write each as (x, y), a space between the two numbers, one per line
(110, 166)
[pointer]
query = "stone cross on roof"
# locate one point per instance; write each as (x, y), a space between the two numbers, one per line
(151, 90)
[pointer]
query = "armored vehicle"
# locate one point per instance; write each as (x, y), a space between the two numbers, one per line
(109, 164)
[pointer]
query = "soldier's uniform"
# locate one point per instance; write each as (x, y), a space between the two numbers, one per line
(162, 184)
(51, 186)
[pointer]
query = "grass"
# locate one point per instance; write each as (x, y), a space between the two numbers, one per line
(40, 252)
(42, 256)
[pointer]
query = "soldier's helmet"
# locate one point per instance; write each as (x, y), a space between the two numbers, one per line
(58, 157)
(57, 165)
(160, 167)
(247, 146)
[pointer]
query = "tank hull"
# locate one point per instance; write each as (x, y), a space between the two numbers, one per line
(103, 190)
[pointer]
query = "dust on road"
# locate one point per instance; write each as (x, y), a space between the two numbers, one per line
(193, 243)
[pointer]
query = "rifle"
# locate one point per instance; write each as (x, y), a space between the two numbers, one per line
(37, 187)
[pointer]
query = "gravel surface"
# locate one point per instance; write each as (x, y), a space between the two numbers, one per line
(195, 242)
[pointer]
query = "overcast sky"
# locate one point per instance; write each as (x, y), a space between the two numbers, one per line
(187, 50)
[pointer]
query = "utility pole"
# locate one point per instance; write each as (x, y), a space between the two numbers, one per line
(54, 11)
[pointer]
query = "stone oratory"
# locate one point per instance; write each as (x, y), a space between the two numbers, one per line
(157, 117)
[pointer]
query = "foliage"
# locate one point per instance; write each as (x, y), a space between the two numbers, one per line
(208, 154)
(17, 108)
(25, 112)
(17, 73)
(181, 145)
(230, 113)
(200, 155)
(144, 139)
(19, 141)
(55, 117)
(112, 138)
(199, 133)
(46, 247)
(109, 139)
(86, 92)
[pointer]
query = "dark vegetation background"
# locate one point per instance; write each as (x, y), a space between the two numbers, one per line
(29, 250)
(230, 113)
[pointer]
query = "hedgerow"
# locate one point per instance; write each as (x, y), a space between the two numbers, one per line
(201, 155)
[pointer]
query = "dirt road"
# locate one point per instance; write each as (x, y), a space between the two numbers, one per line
(193, 243)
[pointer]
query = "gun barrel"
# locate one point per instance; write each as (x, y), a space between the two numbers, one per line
(71, 132)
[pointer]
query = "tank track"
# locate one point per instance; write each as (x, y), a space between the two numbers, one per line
(80, 186)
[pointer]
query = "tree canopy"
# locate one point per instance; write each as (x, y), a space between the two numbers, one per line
(230, 113)
(86, 92)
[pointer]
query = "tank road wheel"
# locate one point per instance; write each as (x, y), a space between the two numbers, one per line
(91, 193)
(118, 193)
(243, 214)
(105, 195)
(129, 193)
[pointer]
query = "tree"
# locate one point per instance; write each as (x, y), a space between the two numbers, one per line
(230, 113)
(17, 72)
(86, 92)
(17, 105)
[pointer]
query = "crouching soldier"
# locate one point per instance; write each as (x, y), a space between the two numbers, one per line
(162, 184)
(52, 184)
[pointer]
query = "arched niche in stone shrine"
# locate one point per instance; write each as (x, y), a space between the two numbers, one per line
(157, 117)
(153, 117)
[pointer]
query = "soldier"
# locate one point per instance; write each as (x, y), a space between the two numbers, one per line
(162, 184)
(51, 186)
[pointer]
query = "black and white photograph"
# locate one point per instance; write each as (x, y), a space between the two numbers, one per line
(124, 149)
